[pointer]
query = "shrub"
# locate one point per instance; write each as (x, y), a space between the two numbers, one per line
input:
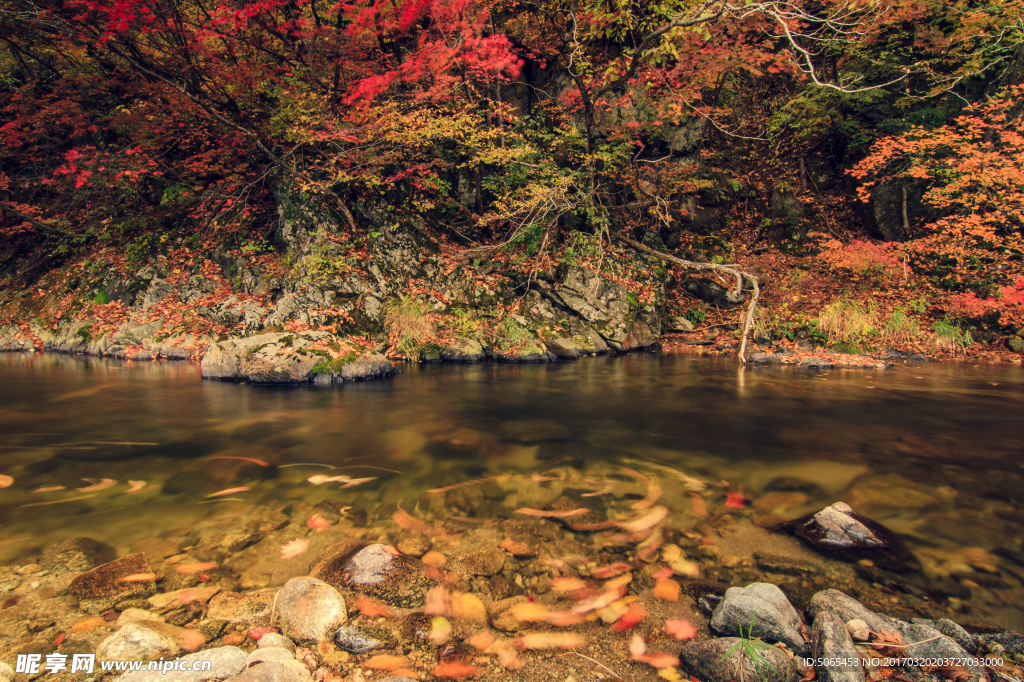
(408, 326)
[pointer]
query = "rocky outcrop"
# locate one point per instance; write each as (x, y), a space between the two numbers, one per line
(289, 358)
(610, 309)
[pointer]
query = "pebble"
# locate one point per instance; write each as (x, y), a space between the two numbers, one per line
(355, 641)
(272, 640)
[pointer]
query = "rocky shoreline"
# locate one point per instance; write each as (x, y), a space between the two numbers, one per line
(333, 594)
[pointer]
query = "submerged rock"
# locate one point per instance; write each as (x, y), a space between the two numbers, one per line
(763, 611)
(379, 571)
(225, 662)
(710, 661)
(241, 608)
(102, 587)
(75, 555)
(308, 610)
(839, 531)
(355, 641)
(148, 640)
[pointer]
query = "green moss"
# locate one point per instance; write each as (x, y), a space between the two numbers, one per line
(102, 298)
(85, 333)
(336, 364)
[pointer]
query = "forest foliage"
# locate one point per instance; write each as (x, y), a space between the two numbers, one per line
(512, 123)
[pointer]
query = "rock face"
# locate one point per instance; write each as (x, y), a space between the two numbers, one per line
(841, 532)
(379, 571)
(287, 358)
(830, 638)
(225, 662)
(100, 588)
(763, 611)
(610, 309)
(308, 610)
(710, 661)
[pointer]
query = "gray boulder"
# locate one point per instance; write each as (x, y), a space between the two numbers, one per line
(831, 639)
(308, 610)
(607, 307)
(765, 606)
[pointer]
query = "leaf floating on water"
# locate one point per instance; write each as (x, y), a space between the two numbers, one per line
(48, 489)
(5, 481)
(653, 489)
(680, 629)
(138, 578)
(136, 487)
(244, 459)
(604, 491)
(464, 484)
(97, 484)
(537, 478)
(294, 548)
(229, 491)
(196, 568)
(66, 499)
(551, 640)
(318, 523)
(320, 479)
(540, 513)
(358, 481)
(657, 515)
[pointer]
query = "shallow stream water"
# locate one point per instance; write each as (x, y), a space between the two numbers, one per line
(933, 451)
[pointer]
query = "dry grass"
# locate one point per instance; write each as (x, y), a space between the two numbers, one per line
(408, 326)
(848, 322)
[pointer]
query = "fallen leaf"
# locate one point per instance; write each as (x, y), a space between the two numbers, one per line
(244, 459)
(551, 640)
(658, 659)
(680, 629)
(97, 484)
(229, 491)
(657, 515)
(735, 501)
(637, 646)
(618, 568)
(517, 549)
(318, 523)
(372, 608)
(386, 662)
(634, 615)
(5, 481)
(454, 670)
(604, 491)
(294, 548)
(195, 568)
(48, 489)
(666, 590)
(540, 513)
(134, 487)
(434, 559)
(699, 508)
(88, 624)
(59, 639)
(320, 479)
(404, 520)
(66, 499)
(464, 484)
(256, 633)
(482, 640)
(138, 578)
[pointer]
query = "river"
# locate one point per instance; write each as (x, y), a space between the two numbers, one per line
(933, 451)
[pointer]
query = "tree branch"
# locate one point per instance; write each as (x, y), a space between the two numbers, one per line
(38, 224)
(735, 294)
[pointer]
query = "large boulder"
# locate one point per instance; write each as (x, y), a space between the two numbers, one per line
(762, 611)
(720, 660)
